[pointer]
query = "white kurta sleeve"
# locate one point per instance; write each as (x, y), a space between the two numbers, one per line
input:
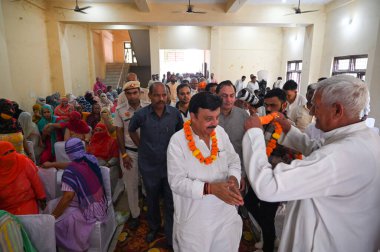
(319, 174)
(179, 182)
(299, 141)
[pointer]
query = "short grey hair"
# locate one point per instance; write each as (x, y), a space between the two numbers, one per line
(347, 90)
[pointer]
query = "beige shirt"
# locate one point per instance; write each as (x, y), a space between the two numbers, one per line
(123, 115)
(301, 117)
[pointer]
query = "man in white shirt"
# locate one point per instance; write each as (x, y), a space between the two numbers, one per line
(204, 174)
(172, 84)
(333, 192)
(293, 97)
(194, 86)
(253, 84)
(278, 83)
(240, 84)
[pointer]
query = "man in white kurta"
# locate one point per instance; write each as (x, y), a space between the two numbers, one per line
(204, 222)
(333, 192)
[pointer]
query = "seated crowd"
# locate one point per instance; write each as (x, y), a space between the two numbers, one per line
(161, 142)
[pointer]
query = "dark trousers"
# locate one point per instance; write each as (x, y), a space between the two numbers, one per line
(264, 213)
(154, 187)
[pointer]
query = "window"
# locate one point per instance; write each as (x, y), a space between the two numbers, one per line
(355, 65)
(129, 54)
(294, 71)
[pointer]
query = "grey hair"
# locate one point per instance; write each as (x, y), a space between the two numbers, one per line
(347, 90)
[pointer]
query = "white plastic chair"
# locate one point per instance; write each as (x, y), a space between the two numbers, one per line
(31, 150)
(49, 180)
(102, 234)
(41, 231)
(60, 154)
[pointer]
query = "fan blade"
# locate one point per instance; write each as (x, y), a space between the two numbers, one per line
(198, 12)
(80, 11)
(57, 7)
(309, 11)
(290, 14)
(177, 11)
(84, 8)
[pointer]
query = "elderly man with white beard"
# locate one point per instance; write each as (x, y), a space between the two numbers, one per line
(333, 192)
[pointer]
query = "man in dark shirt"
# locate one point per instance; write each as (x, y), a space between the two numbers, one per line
(157, 123)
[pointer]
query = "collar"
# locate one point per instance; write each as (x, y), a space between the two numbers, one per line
(344, 131)
(151, 110)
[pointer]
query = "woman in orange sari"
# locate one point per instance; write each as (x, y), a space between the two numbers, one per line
(21, 190)
(63, 109)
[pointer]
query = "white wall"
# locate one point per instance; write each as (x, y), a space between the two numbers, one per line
(184, 37)
(247, 50)
(353, 29)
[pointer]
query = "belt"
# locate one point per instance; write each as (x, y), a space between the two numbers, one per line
(131, 149)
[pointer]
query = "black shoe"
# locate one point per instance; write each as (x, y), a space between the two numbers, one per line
(151, 236)
(133, 223)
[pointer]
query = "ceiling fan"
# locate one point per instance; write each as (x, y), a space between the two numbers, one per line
(297, 10)
(76, 9)
(190, 10)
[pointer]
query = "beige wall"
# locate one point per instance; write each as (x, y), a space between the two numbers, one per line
(107, 39)
(24, 53)
(119, 37)
(184, 37)
(98, 53)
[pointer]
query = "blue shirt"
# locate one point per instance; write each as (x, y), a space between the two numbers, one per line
(155, 134)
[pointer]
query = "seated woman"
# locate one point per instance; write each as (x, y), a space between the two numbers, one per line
(36, 113)
(10, 129)
(21, 190)
(94, 117)
(105, 102)
(13, 236)
(106, 119)
(105, 149)
(49, 134)
(31, 133)
(64, 108)
(75, 127)
(83, 201)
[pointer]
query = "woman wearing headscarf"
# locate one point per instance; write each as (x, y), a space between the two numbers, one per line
(21, 190)
(83, 202)
(17, 110)
(50, 135)
(105, 102)
(36, 113)
(10, 129)
(31, 133)
(75, 127)
(41, 101)
(106, 118)
(87, 107)
(105, 149)
(89, 96)
(94, 117)
(63, 109)
(13, 236)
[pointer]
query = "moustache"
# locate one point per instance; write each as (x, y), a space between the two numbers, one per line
(211, 127)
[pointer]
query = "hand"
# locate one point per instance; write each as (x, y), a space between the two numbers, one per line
(228, 192)
(47, 164)
(41, 203)
(252, 122)
(284, 122)
(127, 162)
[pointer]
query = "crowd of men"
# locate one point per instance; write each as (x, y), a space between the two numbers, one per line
(206, 148)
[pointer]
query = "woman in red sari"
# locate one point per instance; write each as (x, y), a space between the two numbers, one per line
(21, 190)
(64, 108)
(105, 149)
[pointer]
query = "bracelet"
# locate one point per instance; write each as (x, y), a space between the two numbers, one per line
(124, 155)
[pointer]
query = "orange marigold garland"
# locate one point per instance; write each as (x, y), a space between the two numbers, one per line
(196, 152)
(272, 144)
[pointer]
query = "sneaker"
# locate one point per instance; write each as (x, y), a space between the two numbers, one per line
(133, 223)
